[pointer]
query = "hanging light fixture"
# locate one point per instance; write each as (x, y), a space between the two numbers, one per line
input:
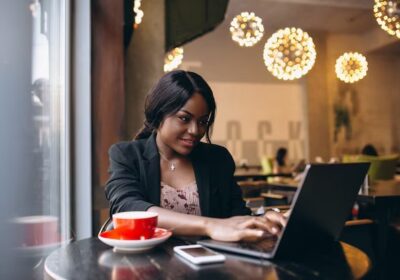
(289, 53)
(246, 29)
(138, 13)
(351, 67)
(173, 59)
(387, 14)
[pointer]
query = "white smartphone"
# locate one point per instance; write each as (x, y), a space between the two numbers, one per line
(198, 254)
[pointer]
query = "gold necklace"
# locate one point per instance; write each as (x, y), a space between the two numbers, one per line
(172, 165)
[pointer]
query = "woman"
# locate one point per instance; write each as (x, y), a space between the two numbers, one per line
(369, 150)
(167, 170)
(280, 166)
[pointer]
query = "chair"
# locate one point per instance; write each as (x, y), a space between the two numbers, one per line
(108, 225)
(254, 202)
(273, 198)
(267, 165)
(251, 188)
(382, 167)
(361, 233)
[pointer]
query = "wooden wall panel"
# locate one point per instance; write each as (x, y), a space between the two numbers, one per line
(107, 94)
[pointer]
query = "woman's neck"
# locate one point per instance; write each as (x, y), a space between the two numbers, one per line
(166, 151)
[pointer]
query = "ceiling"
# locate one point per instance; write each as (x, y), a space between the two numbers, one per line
(393, 48)
(338, 16)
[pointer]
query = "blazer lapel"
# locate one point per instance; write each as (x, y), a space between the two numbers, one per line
(152, 169)
(202, 174)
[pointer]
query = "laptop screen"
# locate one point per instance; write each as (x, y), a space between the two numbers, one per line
(319, 209)
(321, 206)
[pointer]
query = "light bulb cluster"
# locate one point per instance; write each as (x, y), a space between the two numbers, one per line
(351, 67)
(387, 14)
(138, 13)
(173, 59)
(289, 53)
(246, 29)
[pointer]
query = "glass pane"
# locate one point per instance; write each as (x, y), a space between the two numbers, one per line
(34, 150)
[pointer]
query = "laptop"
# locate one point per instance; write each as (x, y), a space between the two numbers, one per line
(320, 207)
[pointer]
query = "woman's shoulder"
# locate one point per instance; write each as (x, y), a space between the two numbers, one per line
(216, 156)
(127, 146)
(213, 151)
(214, 148)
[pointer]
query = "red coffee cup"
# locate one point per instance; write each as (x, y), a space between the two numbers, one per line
(36, 230)
(135, 224)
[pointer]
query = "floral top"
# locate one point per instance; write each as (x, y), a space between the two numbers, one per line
(183, 200)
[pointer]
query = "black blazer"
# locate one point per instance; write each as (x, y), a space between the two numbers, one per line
(134, 183)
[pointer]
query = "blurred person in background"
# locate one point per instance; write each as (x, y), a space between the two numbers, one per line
(369, 150)
(280, 162)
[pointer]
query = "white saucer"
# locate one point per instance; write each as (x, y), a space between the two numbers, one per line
(133, 246)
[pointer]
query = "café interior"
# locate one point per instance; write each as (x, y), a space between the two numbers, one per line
(316, 80)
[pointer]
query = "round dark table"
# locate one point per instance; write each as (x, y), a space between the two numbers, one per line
(91, 259)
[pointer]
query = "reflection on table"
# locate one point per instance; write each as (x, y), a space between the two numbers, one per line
(91, 259)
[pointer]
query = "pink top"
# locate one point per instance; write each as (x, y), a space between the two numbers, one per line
(183, 200)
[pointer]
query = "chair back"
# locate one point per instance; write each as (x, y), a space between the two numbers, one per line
(381, 168)
(267, 165)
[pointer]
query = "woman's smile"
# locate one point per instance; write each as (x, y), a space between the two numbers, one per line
(188, 142)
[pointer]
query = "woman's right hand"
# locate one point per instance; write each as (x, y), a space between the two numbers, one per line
(245, 228)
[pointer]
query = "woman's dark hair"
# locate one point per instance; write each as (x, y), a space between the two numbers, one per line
(369, 150)
(170, 94)
(280, 156)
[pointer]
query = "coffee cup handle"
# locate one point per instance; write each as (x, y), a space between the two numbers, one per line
(108, 225)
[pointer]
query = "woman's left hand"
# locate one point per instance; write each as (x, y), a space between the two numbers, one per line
(276, 218)
(246, 228)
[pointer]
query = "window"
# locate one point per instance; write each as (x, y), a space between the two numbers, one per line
(35, 137)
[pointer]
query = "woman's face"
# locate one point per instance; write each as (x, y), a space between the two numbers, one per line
(182, 131)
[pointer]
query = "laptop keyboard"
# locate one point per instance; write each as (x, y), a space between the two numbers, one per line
(266, 245)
